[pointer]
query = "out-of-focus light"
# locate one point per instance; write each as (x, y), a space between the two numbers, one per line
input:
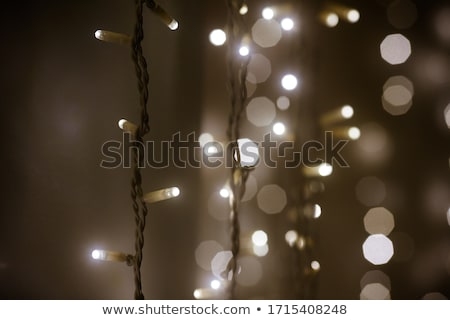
(354, 133)
(173, 25)
(379, 221)
(268, 13)
(220, 263)
(375, 276)
(251, 188)
(248, 152)
(279, 128)
(266, 33)
(289, 82)
(261, 251)
(283, 103)
(395, 49)
(287, 24)
(207, 293)
(347, 111)
(215, 284)
(353, 16)
(331, 20)
(217, 37)
(375, 291)
(301, 243)
(291, 237)
(259, 68)
(448, 216)
(317, 211)
(260, 111)
(211, 150)
(160, 195)
(259, 238)
(271, 199)
(447, 115)
(251, 271)
(442, 24)
(244, 51)
(243, 10)
(224, 193)
(325, 169)
(397, 96)
(204, 138)
(204, 253)
(315, 265)
(378, 249)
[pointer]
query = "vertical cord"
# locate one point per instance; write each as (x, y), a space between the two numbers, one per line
(139, 206)
(237, 75)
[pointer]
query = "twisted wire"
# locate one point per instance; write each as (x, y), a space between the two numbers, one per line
(237, 74)
(139, 206)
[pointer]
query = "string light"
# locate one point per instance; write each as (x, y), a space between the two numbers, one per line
(170, 22)
(287, 24)
(224, 192)
(259, 238)
(127, 126)
(243, 10)
(353, 16)
(113, 37)
(105, 255)
(244, 50)
(268, 13)
(289, 82)
(337, 115)
(218, 37)
(323, 170)
(160, 195)
(279, 128)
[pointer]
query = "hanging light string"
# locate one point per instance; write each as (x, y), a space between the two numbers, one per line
(237, 74)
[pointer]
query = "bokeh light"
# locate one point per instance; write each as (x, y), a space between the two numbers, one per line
(219, 264)
(279, 128)
(261, 251)
(261, 111)
(204, 138)
(287, 24)
(434, 296)
(402, 13)
(205, 252)
(325, 169)
(289, 82)
(353, 16)
(331, 20)
(375, 276)
(266, 33)
(291, 237)
(347, 111)
(315, 265)
(375, 291)
(248, 151)
(259, 68)
(244, 51)
(395, 49)
(283, 103)
(442, 24)
(218, 37)
(354, 133)
(397, 96)
(374, 144)
(224, 192)
(267, 13)
(378, 249)
(259, 238)
(215, 284)
(251, 271)
(271, 199)
(370, 191)
(243, 10)
(379, 221)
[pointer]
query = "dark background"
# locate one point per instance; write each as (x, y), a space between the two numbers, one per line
(63, 92)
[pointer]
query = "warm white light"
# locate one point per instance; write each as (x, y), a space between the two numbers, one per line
(96, 254)
(261, 251)
(217, 37)
(315, 265)
(212, 150)
(106, 255)
(317, 211)
(244, 51)
(284, 102)
(215, 284)
(325, 169)
(243, 10)
(268, 13)
(289, 82)
(354, 133)
(248, 152)
(224, 193)
(395, 49)
(127, 126)
(279, 128)
(291, 237)
(287, 24)
(173, 25)
(378, 249)
(113, 37)
(197, 294)
(347, 111)
(332, 20)
(160, 195)
(259, 238)
(353, 16)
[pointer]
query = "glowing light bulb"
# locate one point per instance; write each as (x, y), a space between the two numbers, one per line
(105, 255)
(317, 211)
(244, 51)
(259, 238)
(217, 37)
(347, 112)
(331, 19)
(354, 133)
(160, 195)
(215, 284)
(291, 237)
(325, 169)
(289, 82)
(268, 13)
(353, 16)
(170, 22)
(127, 126)
(243, 10)
(207, 293)
(287, 24)
(315, 265)
(224, 193)
(113, 37)
(279, 128)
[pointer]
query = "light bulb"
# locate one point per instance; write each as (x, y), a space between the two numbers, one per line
(323, 170)
(289, 82)
(224, 193)
(353, 15)
(315, 265)
(215, 284)
(287, 24)
(170, 22)
(207, 293)
(268, 13)
(259, 238)
(244, 51)
(243, 10)
(217, 37)
(317, 211)
(160, 195)
(279, 128)
(106, 255)
(127, 126)
(354, 133)
(331, 20)
(113, 37)
(347, 112)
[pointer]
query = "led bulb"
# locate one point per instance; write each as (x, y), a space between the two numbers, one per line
(244, 50)
(160, 195)
(287, 24)
(170, 22)
(259, 238)
(106, 255)
(217, 37)
(322, 170)
(224, 193)
(353, 16)
(127, 126)
(337, 115)
(354, 133)
(113, 37)
(347, 112)
(331, 19)
(208, 293)
(315, 265)
(215, 284)
(268, 13)
(317, 211)
(243, 10)
(291, 237)
(289, 82)
(279, 128)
